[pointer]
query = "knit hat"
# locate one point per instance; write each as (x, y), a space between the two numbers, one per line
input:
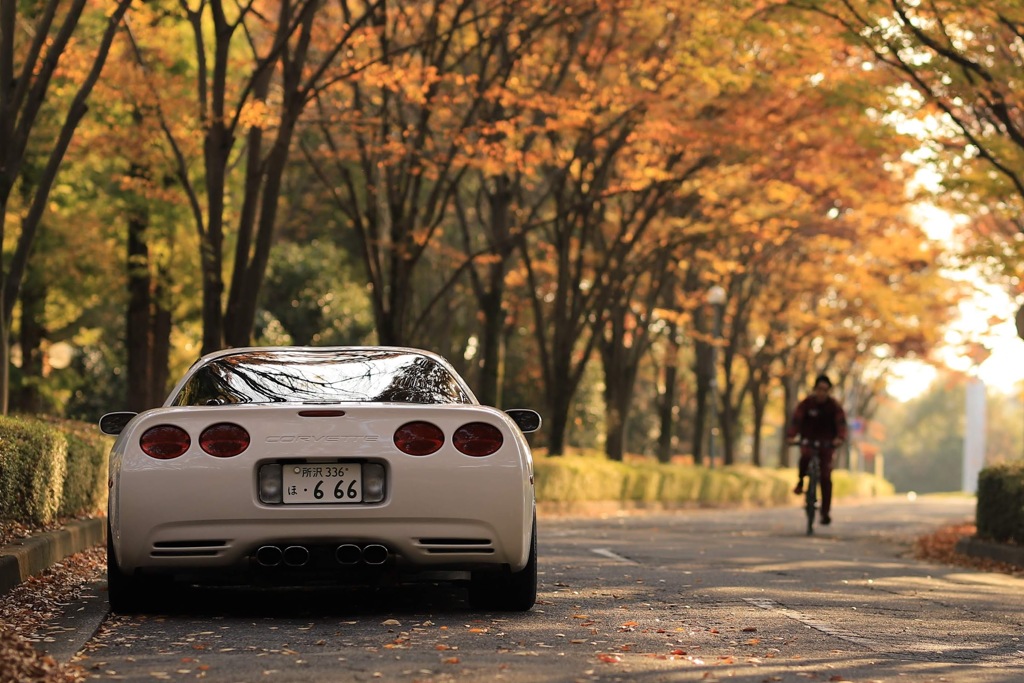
(823, 379)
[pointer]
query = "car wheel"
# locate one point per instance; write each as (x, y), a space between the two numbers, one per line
(507, 591)
(126, 594)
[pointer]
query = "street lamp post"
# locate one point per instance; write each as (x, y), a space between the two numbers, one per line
(716, 297)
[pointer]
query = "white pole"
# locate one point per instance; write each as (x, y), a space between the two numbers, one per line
(974, 435)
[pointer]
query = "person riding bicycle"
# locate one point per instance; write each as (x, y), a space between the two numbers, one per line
(819, 417)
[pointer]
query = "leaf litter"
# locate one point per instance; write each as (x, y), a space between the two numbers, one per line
(29, 609)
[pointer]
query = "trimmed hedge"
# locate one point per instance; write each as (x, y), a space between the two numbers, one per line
(1000, 512)
(51, 469)
(582, 478)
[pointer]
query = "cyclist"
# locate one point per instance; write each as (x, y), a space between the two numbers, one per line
(819, 417)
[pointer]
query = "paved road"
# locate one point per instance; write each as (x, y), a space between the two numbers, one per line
(692, 596)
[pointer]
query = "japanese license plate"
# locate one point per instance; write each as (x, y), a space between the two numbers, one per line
(331, 483)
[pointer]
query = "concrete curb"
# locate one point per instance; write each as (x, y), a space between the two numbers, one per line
(989, 550)
(30, 556)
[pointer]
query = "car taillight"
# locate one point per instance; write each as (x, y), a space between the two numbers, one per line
(224, 440)
(165, 442)
(419, 438)
(477, 439)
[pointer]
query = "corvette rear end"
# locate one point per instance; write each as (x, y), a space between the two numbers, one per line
(296, 492)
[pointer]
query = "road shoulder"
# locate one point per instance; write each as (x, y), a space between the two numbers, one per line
(989, 550)
(31, 556)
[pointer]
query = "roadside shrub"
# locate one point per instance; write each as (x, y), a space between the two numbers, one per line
(85, 486)
(583, 478)
(51, 469)
(642, 484)
(847, 484)
(680, 484)
(1000, 511)
(571, 479)
(33, 467)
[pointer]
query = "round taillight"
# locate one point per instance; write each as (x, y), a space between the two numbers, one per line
(419, 438)
(165, 442)
(477, 439)
(224, 440)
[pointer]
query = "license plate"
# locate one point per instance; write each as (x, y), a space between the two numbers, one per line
(331, 483)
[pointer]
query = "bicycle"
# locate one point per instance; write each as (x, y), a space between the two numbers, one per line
(813, 481)
(817, 450)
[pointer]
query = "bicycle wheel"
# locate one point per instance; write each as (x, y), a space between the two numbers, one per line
(811, 495)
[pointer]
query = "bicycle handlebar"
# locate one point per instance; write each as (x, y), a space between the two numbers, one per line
(816, 443)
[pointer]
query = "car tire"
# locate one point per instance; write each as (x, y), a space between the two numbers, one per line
(127, 594)
(507, 591)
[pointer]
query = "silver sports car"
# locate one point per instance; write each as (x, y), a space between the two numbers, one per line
(299, 465)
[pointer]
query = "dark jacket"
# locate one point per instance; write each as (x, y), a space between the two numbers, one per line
(818, 421)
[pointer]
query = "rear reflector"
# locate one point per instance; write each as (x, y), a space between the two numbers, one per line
(271, 483)
(419, 438)
(477, 439)
(224, 440)
(373, 482)
(165, 442)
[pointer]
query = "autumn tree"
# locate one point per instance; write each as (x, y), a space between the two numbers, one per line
(423, 153)
(960, 63)
(35, 52)
(620, 142)
(807, 209)
(254, 68)
(146, 209)
(628, 328)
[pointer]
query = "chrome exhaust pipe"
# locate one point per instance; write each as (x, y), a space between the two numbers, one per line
(348, 553)
(296, 556)
(375, 554)
(269, 556)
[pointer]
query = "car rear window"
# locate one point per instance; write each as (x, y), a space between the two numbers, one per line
(322, 376)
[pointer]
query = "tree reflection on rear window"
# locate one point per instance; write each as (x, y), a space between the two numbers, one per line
(322, 376)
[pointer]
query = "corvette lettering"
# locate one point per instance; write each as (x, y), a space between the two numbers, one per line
(324, 438)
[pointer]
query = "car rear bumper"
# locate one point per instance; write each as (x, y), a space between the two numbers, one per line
(405, 544)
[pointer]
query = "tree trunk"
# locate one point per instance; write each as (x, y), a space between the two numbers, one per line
(620, 361)
(725, 428)
(702, 373)
(668, 403)
(160, 353)
(759, 405)
(139, 330)
(492, 349)
(31, 334)
(216, 149)
(240, 318)
(789, 388)
(558, 413)
(493, 334)
(615, 431)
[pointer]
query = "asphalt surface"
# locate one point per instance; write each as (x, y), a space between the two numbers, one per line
(30, 556)
(27, 557)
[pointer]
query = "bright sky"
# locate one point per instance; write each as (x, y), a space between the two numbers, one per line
(1003, 370)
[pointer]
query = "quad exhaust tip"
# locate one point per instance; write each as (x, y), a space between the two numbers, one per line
(375, 554)
(298, 555)
(269, 556)
(348, 553)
